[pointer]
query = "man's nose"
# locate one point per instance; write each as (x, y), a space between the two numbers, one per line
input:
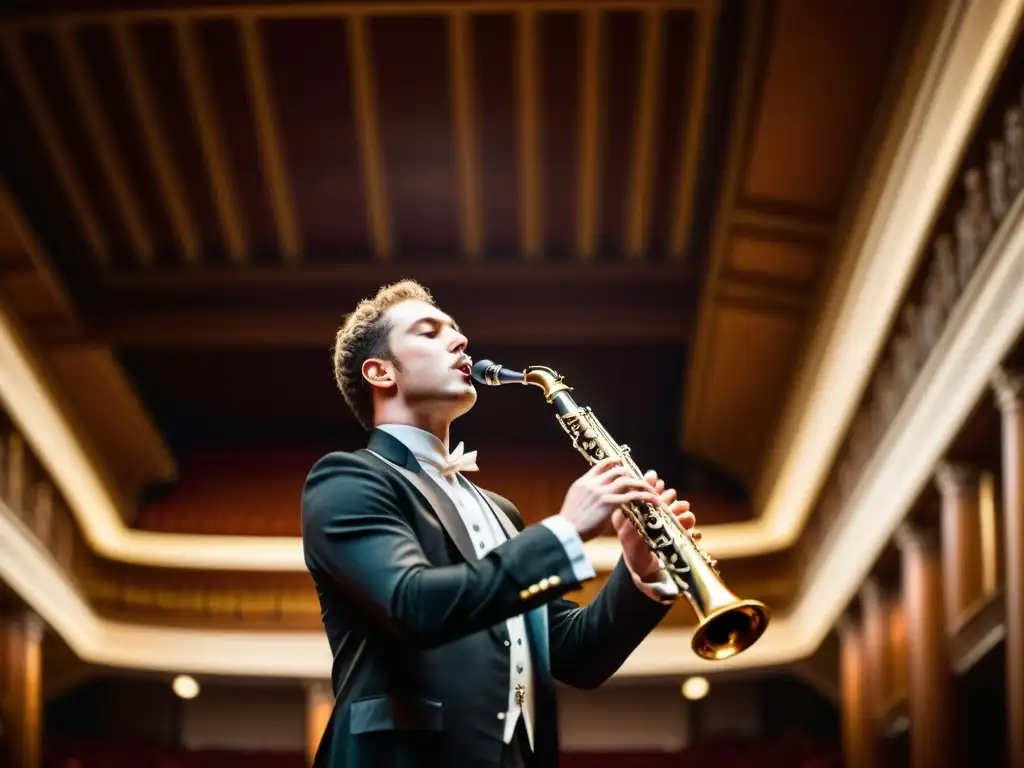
(459, 342)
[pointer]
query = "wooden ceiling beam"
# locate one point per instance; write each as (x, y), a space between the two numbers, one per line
(35, 264)
(797, 226)
(765, 297)
(467, 153)
(165, 170)
(67, 174)
(640, 200)
(251, 327)
(499, 303)
(269, 137)
(321, 10)
(590, 132)
(631, 278)
(83, 89)
(531, 199)
(222, 183)
(368, 135)
(700, 85)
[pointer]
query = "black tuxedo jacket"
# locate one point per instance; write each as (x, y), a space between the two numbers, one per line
(416, 621)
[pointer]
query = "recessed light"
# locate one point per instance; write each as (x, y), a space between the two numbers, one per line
(185, 686)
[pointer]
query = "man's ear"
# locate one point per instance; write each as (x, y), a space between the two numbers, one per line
(379, 373)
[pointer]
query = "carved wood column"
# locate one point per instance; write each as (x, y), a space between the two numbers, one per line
(21, 670)
(877, 652)
(930, 679)
(898, 646)
(960, 486)
(1009, 387)
(319, 703)
(857, 724)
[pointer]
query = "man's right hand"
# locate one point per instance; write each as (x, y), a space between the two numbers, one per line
(606, 486)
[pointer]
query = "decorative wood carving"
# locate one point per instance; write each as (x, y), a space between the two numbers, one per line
(884, 402)
(977, 205)
(1009, 388)
(968, 246)
(904, 365)
(1014, 137)
(911, 319)
(998, 189)
(989, 193)
(945, 288)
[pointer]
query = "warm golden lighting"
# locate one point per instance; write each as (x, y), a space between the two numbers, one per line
(885, 243)
(695, 688)
(185, 686)
(989, 535)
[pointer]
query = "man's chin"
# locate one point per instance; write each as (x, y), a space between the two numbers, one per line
(464, 400)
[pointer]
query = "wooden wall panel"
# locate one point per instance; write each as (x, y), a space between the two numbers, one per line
(754, 258)
(822, 82)
(755, 350)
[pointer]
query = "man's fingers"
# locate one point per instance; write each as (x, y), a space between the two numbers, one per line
(628, 482)
(628, 497)
(615, 473)
(678, 507)
(618, 520)
(654, 481)
(604, 465)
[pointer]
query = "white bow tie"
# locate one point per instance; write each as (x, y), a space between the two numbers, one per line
(458, 461)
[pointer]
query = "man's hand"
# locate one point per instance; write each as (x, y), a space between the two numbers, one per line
(642, 563)
(599, 493)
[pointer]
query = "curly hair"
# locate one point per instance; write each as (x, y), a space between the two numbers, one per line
(365, 335)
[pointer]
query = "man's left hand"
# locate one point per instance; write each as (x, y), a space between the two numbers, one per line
(642, 563)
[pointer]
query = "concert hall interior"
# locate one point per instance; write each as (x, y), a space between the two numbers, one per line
(776, 245)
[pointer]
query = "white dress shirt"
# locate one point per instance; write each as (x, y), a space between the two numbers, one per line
(486, 533)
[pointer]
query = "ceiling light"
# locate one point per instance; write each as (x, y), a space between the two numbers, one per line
(185, 686)
(695, 688)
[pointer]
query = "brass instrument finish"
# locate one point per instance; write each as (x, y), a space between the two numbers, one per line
(727, 625)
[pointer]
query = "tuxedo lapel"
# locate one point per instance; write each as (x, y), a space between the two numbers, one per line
(391, 448)
(393, 453)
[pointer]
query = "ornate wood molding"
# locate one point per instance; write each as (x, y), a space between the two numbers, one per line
(988, 204)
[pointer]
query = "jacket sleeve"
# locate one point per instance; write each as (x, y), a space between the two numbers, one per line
(356, 535)
(589, 644)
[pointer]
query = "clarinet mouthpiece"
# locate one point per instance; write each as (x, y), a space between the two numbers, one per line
(492, 374)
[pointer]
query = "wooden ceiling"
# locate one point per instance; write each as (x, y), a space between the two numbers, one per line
(641, 194)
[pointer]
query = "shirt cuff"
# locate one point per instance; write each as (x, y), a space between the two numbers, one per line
(661, 590)
(573, 545)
